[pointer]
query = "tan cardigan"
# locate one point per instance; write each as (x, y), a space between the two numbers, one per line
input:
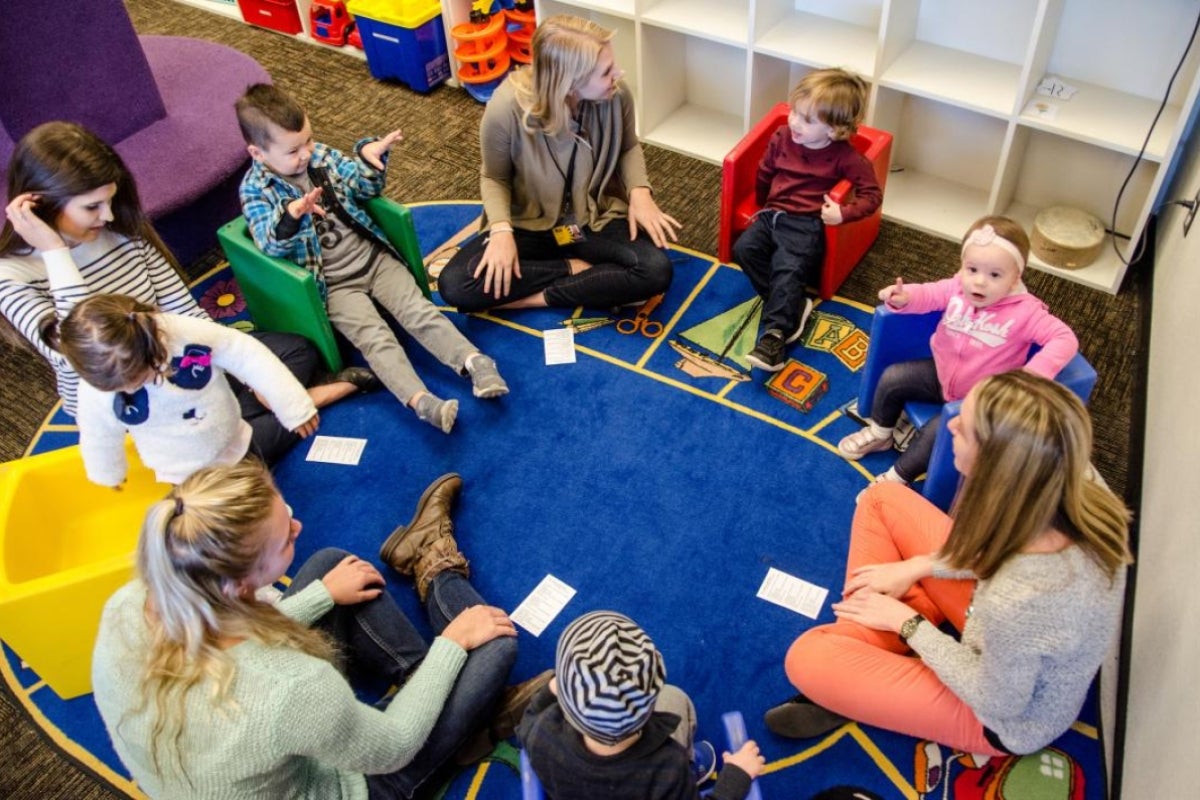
(522, 174)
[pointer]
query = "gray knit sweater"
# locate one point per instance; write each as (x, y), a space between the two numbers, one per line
(297, 730)
(522, 173)
(1035, 636)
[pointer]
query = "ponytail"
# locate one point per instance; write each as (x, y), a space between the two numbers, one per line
(111, 340)
(197, 549)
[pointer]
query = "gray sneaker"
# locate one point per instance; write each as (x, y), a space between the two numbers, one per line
(485, 378)
(437, 412)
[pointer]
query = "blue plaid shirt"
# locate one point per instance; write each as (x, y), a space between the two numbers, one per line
(265, 197)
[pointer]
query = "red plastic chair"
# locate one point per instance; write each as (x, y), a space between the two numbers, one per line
(845, 244)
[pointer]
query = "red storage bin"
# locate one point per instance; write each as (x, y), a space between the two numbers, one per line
(278, 15)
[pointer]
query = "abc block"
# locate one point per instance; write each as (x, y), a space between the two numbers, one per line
(852, 350)
(826, 331)
(798, 385)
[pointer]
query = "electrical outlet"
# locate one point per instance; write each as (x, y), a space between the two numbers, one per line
(1191, 213)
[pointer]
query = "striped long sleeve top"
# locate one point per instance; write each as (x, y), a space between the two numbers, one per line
(41, 286)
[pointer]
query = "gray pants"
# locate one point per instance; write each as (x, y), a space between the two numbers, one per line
(389, 282)
(672, 700)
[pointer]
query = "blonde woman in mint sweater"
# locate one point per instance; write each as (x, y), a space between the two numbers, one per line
(209, 692)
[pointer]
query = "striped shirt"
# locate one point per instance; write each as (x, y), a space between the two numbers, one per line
(40, 285)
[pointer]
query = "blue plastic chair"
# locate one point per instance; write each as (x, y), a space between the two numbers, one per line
(735, 735)
(899, 337)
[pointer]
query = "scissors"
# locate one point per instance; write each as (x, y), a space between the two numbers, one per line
(649, 328)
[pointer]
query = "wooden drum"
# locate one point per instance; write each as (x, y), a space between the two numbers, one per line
(1067, 237)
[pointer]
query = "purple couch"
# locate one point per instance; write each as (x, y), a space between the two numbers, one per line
(164, 102)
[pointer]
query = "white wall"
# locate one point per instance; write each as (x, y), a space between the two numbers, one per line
(1163, 733)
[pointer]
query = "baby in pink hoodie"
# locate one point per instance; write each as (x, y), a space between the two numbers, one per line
(989, 321)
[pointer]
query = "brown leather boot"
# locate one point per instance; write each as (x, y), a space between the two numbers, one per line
(431, 521)
(442, 555)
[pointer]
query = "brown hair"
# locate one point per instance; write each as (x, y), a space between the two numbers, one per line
(835, 96)
(264, 105)
(111, 340)
(1031, 474)
(61, 160)
(566, 50)
(196, 548)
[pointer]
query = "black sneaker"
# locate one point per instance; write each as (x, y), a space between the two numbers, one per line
(768, 353)
(800, 718)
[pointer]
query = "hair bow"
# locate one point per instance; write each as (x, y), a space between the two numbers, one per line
(202, 360)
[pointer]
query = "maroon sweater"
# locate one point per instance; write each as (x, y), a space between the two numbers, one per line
(796, 179)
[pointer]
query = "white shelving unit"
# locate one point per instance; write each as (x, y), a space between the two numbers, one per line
(232, 11)
(954, 80)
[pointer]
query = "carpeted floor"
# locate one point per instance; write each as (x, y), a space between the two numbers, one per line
(438, 161)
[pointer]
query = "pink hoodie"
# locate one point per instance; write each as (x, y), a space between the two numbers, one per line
(970, 344)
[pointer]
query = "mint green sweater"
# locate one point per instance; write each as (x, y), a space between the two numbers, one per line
(297, 730)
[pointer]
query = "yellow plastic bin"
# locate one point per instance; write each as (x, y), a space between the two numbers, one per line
(65, 546)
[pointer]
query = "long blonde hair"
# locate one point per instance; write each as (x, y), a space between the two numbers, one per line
(196, 548)
(1031, 473)
(566, 50)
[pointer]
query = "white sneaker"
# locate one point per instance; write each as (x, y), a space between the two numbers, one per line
(804, 315)
(871, 439)
(891, 476)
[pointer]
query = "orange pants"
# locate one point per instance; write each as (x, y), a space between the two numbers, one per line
(871, 676)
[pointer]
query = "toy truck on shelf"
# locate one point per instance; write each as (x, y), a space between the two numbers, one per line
(331, 23)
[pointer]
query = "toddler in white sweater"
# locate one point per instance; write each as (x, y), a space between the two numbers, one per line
(161, 378)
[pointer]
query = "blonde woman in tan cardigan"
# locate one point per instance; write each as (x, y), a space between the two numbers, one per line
(569, 218)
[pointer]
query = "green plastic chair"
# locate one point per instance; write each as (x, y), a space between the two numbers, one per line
(283, 297)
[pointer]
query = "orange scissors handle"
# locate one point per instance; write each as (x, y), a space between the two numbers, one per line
(651, 329)
(641, 321)
(650, 306)
(628, 325)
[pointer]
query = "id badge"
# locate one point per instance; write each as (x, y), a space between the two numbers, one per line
(568, 233)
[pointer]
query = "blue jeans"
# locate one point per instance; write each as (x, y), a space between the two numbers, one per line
(622, 271)
(779, 253)
(376, 636)
(906, 382)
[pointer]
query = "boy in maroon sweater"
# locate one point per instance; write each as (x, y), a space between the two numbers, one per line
(785, 244)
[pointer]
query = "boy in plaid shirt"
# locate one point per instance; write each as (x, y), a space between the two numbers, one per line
(303, 201)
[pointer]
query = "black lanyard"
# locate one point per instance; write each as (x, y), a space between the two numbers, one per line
(568, 176)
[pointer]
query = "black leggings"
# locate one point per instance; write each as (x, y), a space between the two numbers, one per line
(622, 271)
(270, 441)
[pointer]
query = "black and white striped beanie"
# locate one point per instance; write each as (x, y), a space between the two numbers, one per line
(608, 674)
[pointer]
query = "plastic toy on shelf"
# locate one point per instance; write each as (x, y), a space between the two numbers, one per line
(482, 49)
(330, 22)
(521, 23)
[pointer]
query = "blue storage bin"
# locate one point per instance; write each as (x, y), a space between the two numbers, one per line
(403, 40)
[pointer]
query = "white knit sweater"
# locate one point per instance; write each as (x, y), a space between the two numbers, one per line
(192, 419)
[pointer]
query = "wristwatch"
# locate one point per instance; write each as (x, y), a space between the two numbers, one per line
(910, 627)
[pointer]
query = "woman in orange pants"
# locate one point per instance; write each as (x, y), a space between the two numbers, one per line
(1033, 542)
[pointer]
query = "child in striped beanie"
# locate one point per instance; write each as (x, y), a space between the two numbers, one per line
(609, 726)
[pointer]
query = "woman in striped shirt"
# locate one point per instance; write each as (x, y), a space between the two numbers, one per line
(75, 228)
